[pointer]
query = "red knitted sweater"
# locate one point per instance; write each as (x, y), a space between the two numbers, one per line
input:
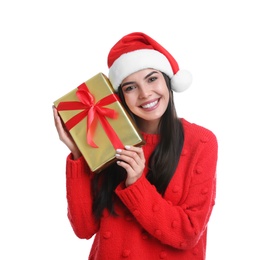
(149, 226)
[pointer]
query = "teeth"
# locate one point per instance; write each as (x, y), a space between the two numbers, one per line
(150, 104)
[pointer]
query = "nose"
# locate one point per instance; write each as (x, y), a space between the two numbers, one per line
(145, 91)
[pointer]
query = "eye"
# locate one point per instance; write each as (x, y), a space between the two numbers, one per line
(151, 79)
(128, 88)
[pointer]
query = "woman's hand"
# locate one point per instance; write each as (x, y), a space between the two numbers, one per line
(64, 135)
(132, 159)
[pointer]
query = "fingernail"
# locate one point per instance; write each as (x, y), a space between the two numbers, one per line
(127, 147)
(118, 150)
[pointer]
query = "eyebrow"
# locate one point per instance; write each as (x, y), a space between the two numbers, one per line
(148, 75)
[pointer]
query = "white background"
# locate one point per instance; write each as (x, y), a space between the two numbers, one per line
(50, 47)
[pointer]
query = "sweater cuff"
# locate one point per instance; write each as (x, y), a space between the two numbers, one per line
(75, 168)
(136, 193)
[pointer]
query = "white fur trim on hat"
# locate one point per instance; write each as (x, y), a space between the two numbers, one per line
(134, 61)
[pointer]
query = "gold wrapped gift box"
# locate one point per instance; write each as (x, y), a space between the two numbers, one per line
(97, 121)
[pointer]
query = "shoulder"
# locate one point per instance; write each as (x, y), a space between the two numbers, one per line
(197, 133)
(196, 130)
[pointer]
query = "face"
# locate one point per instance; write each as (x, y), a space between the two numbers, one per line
(146, 94)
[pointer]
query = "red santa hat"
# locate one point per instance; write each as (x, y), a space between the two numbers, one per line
(137, 51)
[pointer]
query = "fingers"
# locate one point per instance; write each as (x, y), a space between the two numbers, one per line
(131, 155)
(58, 123)
(133, 161)
(64, 135)
(57, 120)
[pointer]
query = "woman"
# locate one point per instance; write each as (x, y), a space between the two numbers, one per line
(156, 201)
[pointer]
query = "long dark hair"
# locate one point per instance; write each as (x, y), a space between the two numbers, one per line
(162, 163)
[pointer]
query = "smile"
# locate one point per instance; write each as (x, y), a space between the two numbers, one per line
(150, 105)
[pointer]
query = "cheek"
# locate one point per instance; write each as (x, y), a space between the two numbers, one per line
(167, 97)
(165, 93)
(163, 89)
(130, 102)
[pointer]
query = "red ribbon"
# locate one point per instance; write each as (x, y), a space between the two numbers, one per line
(94, 112)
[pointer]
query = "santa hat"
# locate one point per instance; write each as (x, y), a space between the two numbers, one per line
(137, 51)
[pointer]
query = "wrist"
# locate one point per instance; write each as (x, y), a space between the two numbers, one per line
(76, 155)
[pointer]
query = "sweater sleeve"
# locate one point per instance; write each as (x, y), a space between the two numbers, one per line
(78, 176)
(181, 224)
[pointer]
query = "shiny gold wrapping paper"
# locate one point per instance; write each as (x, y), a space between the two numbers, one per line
(99, 158)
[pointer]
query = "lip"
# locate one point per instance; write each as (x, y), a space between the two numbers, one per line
(148, 103)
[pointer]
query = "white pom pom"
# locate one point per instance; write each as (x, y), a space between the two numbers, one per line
(181, 81)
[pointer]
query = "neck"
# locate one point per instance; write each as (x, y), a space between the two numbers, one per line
(149, 127)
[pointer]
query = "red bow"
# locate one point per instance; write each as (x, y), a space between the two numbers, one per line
(94, 112)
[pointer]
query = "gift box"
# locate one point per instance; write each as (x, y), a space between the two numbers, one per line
(97, 121)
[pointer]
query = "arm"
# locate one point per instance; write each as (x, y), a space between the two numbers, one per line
(180, 225)
(80, 202)
(78, 181)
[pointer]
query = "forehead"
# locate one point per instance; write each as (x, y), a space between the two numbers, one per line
(140, 74)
